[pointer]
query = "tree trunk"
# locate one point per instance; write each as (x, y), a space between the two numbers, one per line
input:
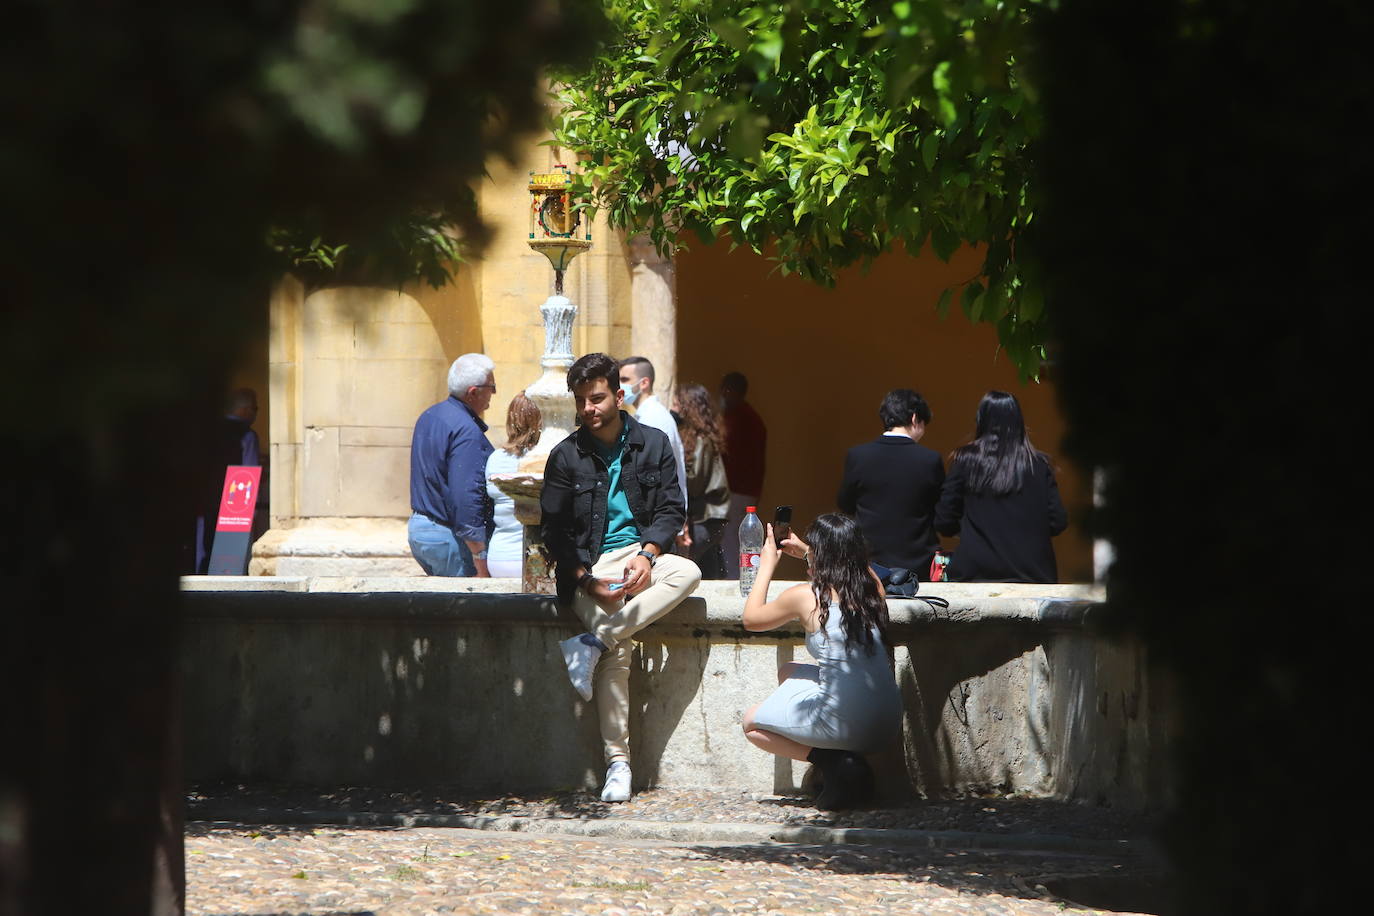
(90, 782)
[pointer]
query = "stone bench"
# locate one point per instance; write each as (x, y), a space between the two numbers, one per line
(459, 682)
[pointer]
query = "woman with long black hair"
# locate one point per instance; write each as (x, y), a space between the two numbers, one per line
(1002, 500)
(846, 704)
(708, 492)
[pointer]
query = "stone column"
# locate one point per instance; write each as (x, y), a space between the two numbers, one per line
(653, 303)
(352, 367)
(550, 390)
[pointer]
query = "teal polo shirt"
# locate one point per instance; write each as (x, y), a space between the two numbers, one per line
(621, 530)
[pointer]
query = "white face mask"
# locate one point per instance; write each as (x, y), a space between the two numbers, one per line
(631, 394)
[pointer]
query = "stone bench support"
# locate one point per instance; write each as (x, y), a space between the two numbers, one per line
(454, 682)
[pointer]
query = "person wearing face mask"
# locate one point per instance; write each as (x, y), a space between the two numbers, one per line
(637, 384)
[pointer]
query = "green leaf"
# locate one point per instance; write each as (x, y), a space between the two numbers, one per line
(971, 299)
(949, 113)
(768, 45)
(732, 33)
(973, 306)
(923, 82)
(930, 148)
(994, 303)
(939, 78)
(942, 306)
(745, 138)
(944, 241)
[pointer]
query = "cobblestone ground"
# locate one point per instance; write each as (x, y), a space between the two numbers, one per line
(991, 814)
(238, 869)
(408, 872)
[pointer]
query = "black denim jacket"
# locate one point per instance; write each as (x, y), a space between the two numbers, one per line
(573, 502)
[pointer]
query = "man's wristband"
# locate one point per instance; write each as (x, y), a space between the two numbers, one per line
(584, 578)
(652, 556)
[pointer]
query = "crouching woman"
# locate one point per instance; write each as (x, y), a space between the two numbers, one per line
(847, 704)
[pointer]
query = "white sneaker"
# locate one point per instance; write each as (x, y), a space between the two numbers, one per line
(581, 661)
(617, 788)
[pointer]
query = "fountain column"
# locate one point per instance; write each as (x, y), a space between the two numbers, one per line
(553, 232)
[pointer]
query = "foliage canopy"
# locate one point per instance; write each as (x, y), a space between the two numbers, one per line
(183, 138)
(147, 149)
(823, 132)
(364, 77)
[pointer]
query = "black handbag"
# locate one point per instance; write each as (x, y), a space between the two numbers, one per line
(903, 583)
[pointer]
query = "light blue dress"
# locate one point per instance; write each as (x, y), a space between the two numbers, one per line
(507, 541)
(848, 700)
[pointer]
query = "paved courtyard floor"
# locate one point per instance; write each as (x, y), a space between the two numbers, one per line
(970, 856)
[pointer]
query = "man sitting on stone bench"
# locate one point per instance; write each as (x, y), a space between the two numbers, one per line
(612, 506)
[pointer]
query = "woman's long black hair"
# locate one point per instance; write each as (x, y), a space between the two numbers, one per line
(1000, 455)
(839, 565)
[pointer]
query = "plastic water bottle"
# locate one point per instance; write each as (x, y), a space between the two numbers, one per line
(750, 546)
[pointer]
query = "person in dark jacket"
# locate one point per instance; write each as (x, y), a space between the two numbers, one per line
(891, 485)
(612, 508)
(451, 517)
(1002, 500)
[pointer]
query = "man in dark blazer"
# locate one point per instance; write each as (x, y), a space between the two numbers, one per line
(891, 486)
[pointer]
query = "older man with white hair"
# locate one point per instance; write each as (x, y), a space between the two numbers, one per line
(451, 515)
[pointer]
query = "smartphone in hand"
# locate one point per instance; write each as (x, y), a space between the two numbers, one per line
(782, 524)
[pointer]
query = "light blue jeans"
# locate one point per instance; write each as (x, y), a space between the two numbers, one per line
(437, 551)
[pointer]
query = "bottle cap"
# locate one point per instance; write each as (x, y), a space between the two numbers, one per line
(751, 508)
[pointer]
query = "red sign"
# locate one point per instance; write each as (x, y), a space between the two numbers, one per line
(238, 498)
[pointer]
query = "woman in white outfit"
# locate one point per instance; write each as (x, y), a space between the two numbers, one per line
(523, 425)
(847, 704)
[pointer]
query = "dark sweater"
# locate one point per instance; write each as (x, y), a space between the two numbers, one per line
(891, 486)
(1002, 538)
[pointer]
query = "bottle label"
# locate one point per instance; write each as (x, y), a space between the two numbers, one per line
(748, 559)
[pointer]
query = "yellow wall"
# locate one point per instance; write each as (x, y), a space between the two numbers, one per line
(251, 372)
(513, 281)
(820, 360)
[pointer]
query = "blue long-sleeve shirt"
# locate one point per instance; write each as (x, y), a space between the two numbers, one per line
(448, 460)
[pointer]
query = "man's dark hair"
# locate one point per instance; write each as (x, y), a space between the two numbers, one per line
(594, 366)
(735, 381)
(643, 368)
(899, 406)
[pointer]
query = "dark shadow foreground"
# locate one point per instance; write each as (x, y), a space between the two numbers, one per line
(1200, 237)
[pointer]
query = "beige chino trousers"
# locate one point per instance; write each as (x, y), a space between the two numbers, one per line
(672, 579)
